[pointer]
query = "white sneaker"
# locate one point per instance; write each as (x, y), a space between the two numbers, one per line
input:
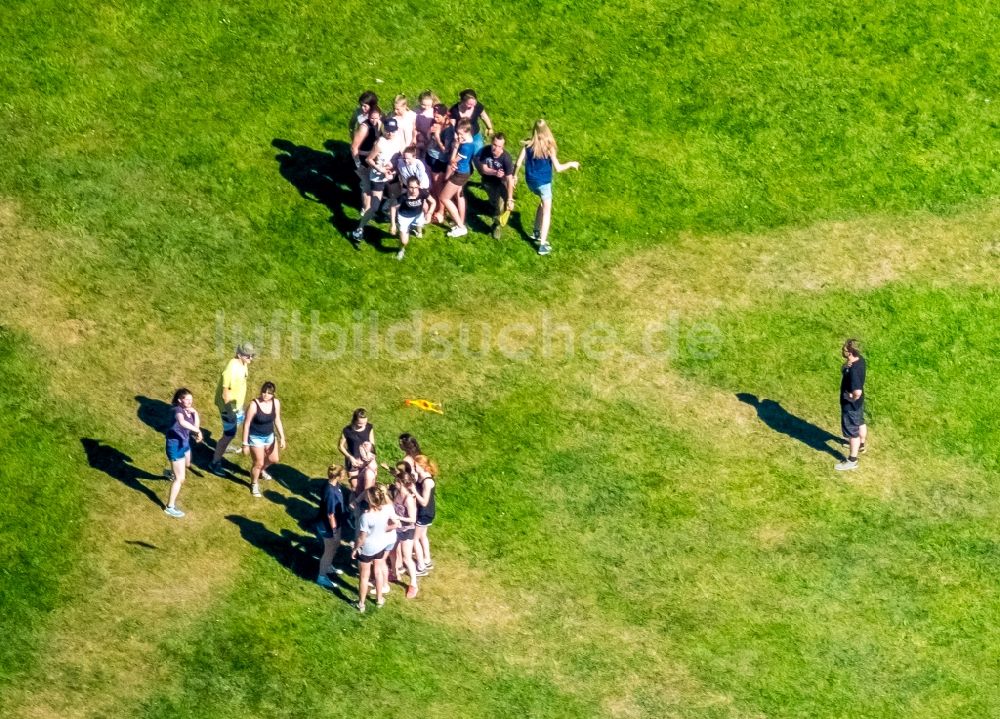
(400, 254)
(458, 231)
(846, 465)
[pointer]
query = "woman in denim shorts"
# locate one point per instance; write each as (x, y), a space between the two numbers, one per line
(263, 419)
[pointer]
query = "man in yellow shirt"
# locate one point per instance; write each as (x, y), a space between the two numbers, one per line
(230, 398)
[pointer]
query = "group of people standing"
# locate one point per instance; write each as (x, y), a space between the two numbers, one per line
(389, 521)
(419, 163)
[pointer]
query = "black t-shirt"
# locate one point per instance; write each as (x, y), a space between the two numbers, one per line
(852, 378)
(485, 159)
(412, 206)
(456, 114)
(447, 139)
(332, 503)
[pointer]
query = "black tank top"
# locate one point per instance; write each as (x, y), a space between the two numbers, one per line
(369, 142)
(425, 514)
(262, 424)
(355, 438)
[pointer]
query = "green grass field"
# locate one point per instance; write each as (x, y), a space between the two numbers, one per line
(625, 530)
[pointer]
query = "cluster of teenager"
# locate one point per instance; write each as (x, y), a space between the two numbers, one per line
(419, 161)
(390, 522)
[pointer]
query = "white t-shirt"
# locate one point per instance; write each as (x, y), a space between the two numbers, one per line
(377, 534)
(407, 127)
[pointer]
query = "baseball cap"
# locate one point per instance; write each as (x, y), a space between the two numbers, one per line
(246, 349)
(390, 125)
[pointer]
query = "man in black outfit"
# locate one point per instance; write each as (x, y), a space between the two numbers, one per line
(497, 170)
(852, 404)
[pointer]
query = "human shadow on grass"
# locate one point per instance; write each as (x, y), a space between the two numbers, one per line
(118, 465)
(159, 415)
(325, 177)
(781, 420)
(516, 223)
(292, 551)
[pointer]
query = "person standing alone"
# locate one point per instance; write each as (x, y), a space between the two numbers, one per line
(852, 404)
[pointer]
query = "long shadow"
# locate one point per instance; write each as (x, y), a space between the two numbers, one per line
(327, 178)
(118, 465)
(781, 420)
(159, 415)
(516, 223)
(288, 549)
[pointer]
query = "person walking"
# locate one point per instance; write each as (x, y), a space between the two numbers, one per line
(538, 156)
(186, 424)
(263, 421)
(497, 170)
(852, 404)
(329, 522)
(230, 398)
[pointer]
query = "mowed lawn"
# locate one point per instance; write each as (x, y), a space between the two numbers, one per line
(644, 524)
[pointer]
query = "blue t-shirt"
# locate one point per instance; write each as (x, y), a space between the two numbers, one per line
(537, 170)
(465, 153)
(332, 503)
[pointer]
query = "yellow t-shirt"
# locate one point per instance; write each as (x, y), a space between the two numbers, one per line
(234, 378)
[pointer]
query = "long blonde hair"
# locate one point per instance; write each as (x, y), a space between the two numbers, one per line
(542, 143)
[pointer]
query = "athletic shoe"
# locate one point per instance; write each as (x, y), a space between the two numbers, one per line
(458, 231)
(173, 512)
(430, 564)
(497, 231)
(325, 582)
(255, 490)
(846, 465)
(421, 571)
(234, 449)
(380, 602)
(544, 249)
(411, 591)
(265, 476)
(360, 607)
(419, 232)
(533, 236)
(168, 474)
(335, 570)
(863, 448)
(400, 254)
(216, 469)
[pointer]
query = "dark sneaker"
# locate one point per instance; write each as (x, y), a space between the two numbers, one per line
(216, 469)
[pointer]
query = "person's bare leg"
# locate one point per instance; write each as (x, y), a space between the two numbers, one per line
(364, 571)
(179, 466)
(544, 220)
(854, 443)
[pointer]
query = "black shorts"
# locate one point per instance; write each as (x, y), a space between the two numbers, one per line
(851, 420)
(437, 165)
(366, 558)
(378, 186)
(405, 535)
(425, 521)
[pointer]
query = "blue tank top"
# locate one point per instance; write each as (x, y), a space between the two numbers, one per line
(537, 170)
(465, 152)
